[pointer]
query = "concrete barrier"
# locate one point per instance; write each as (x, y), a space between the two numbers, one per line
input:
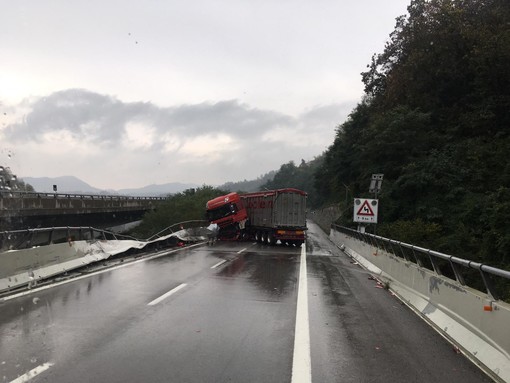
(28, 266)
(477, 323)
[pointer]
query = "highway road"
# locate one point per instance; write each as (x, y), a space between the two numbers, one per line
(232, 312)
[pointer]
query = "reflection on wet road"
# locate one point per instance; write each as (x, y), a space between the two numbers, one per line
(218, 314)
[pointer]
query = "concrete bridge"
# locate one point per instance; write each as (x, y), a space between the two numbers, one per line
(24, 210)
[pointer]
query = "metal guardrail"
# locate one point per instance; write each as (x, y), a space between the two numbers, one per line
(25, 239)
(440, 263)
(25, 194)
(180, 226)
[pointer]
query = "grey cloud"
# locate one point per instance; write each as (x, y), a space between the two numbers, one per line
(231, 117)
(77, 111)
(262, 140)
(102, 119)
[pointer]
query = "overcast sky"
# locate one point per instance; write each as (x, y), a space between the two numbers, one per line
(129, 93)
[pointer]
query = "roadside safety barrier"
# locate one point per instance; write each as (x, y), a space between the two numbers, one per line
(444, 290)
(441, 264)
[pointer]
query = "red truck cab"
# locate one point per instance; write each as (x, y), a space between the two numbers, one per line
(229, 213)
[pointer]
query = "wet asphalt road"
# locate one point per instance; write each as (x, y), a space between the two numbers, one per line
(228, 322)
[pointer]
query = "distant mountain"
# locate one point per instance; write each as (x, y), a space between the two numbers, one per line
(158, 190)
(65, 184)
(71, 184)
(248, 185)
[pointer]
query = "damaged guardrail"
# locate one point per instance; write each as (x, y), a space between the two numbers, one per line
(29, 256)
(440, 287)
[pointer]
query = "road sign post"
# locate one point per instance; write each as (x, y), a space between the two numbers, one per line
(376, 184)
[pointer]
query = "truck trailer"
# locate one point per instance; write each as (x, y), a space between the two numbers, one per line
(266, 216)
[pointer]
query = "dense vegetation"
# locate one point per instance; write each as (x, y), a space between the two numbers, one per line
(9, 181)
(299, 177)
(185, 206)
(435, 120)
(248, 185)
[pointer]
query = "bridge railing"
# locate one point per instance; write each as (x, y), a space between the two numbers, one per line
(25, 239)
(442, 264)
(178, 226)
(26, 194)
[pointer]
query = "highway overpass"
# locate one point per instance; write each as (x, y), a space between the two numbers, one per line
(25, 210)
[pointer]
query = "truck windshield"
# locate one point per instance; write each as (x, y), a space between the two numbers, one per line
(222, 211)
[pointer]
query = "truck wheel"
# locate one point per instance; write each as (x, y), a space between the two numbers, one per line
(264, 237)
(258, 236)
(272, 239)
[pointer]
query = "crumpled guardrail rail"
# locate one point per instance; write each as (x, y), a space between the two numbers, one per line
(34, 255)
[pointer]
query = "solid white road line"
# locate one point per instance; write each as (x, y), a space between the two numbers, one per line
(240, 251)
(218, 264)
(301, 363)
(32, 373)
(166, 295)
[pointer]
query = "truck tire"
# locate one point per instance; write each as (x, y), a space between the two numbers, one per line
(258, 236)
(272, 239)
(265, 238)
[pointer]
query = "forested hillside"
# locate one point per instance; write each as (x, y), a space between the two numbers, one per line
(248, 185)
(300, 177)
(435, 120)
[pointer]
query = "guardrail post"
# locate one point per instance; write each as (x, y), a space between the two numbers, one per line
(416, 258)
(392, 248)
(489, 284)
(456, 271)
(435, 264)
(383, 244)
(404, 254)
(50, 237)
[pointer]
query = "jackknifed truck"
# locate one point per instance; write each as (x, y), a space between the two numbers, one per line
(267, 216)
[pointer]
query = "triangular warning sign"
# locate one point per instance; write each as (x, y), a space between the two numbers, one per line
(365, 210)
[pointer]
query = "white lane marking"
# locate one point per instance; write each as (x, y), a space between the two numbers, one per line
(218, 264)
(166, 295)
(240, 251)
(301, 363)
(32, 373)
(157, 255)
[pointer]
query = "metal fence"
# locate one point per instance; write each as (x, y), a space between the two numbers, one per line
(26, 194)
(192, 224)
(495, 281)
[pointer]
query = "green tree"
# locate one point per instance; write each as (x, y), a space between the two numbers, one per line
(300, 177)
(434, 120)
(185, 206)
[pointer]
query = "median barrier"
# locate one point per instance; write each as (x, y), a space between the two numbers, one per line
(476, 322)
(30, 256)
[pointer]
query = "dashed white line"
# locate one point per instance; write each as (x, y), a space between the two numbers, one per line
(166, 295)
(32, 373)
(218, 264)
(301, 363)
(240, 251)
